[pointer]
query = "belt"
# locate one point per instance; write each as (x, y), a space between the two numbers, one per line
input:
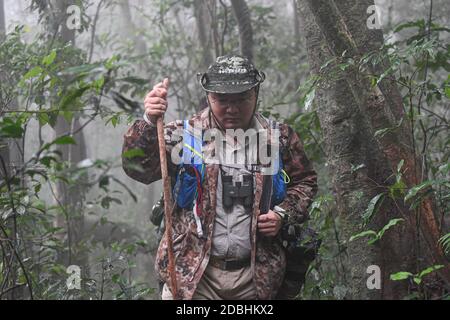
(223, 264)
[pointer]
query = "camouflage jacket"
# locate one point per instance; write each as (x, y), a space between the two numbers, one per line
(192, 252)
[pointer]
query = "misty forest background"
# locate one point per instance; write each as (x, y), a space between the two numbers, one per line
(369, 97)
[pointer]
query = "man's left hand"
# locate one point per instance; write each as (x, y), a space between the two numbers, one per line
(269, 224)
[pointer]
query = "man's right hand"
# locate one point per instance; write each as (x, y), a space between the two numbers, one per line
(155, 103)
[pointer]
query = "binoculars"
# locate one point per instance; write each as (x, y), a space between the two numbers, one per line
(237, 189)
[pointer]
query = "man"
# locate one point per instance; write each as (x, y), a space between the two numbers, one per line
(231, 250)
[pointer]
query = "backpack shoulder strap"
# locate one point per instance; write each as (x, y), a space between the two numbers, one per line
(192, 145)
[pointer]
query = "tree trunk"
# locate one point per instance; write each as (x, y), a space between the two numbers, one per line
(203, 22)
(4, 151)
(211, 6)
(298, 48)
(70, 197)
(242, 13)
(2, 18)
(11, 152)
(349, 142)
(129, 29)
(346, 33)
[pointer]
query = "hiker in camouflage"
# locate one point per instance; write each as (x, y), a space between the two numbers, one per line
(224, 246)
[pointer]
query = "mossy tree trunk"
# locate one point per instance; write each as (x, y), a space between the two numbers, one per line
(360, 170)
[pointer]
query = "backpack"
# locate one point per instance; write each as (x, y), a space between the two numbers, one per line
(187, 190)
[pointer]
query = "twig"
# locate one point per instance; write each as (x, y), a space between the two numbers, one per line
(66, 215)
(25, 272)
(94, 26)
(224, 30)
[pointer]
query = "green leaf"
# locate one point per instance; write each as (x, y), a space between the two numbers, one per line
(81, 69)
(400, 165)
(71, 97)
(43, 118)
(373, 83)
(397, 189)
(445, 242)
(400, 275)
(68, 116)
(444, 169)
(105, 203)
(343, 66)
(142, 243)
(33, 73)
(373, 207)
(99, 83)
(103, 220)
(115, 278)
(363, 234)
(309, 99)
(22, 279)
(48, 60)
(325, 65)
(430, 270)
(447, 92)
(135, 80)
(37, 188)
(390, 224)
(12, 130)
(385, 74)
(109, 64)
(58, 269)
(52, 118)
(382, 132)
(65, 140)
(47, 160)
(137, 152)
(410, 24)
(104, 182)
(115, 119)
(414, 190)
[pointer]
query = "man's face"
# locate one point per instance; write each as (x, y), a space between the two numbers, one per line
(234, 111)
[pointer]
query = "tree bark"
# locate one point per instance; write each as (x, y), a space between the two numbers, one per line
(11, 152)
(129, 29)
(349, 142)
(370, 40)
(380, 103)
(211, 6)
(242, 13)
(2, 18)
(70, 197)
(203, 22)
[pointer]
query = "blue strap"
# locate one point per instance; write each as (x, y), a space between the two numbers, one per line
(192, 146)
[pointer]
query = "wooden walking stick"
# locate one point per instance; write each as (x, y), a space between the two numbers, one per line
(167, 201)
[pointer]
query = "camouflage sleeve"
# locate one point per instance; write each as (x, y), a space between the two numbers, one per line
(146, 168)
(303, 179)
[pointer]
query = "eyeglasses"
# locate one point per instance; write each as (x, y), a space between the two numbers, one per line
(225, 102)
